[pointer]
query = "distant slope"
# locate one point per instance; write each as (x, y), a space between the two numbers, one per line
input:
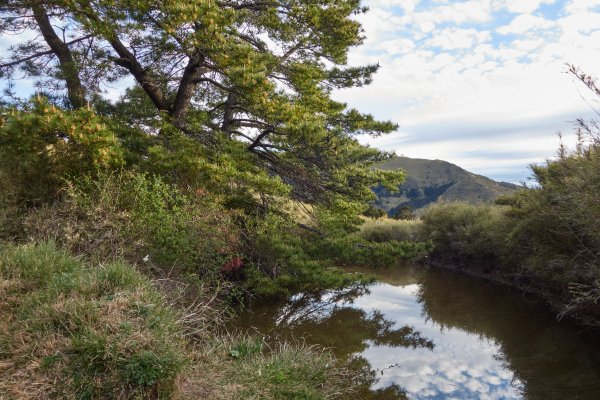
(429, 181)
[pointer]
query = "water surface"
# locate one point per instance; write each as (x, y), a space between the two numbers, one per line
(433, 334)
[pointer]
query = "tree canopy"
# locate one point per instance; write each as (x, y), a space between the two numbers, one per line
(244, 85)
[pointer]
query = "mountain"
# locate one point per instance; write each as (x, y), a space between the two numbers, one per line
(429, 181)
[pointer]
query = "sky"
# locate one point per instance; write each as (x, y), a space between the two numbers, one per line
(479, 83)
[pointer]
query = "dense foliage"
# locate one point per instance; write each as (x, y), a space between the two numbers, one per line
(250, 81)
(225, 169)
(545, 238)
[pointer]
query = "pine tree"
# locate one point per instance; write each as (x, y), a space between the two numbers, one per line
(244, 85)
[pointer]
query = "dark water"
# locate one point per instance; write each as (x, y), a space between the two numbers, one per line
(431, 334)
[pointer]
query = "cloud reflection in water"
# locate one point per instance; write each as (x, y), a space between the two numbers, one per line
(462, 365)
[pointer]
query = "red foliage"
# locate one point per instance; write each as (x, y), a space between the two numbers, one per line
(234, 264)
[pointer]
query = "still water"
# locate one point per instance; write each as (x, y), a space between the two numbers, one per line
(422, 333)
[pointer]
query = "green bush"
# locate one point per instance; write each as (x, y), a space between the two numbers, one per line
(558, 220)
(141, 218)
(386, 230)
(548, 233)
(556, 231)
(404, 213)
(466, 234)
(41, 146)
(374, 212)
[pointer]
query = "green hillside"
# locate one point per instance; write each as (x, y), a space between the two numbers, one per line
(429, 181)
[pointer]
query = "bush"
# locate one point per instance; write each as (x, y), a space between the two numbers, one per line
(556, 230)
(390, 230)
(374, 212)
(404, 213)
(72, 331)
(41, 146)
(547, 235)
(558, 219)
(141, 218)
(466, 234)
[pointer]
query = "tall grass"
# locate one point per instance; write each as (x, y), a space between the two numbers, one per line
(255, 369)
(141, 218)
(387, 229)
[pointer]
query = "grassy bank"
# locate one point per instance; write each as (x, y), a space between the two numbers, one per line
(76, 330)
(116, 287)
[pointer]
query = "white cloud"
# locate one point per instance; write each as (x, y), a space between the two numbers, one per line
(524, 23)
(522, 6)
(456, 38)
(407, 5)
(581, 5)
(460, 76)
(396, 46)
(467, 11)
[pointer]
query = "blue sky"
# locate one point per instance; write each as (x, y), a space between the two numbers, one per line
(479, 83)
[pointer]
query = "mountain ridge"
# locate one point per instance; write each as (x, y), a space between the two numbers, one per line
(430, 181)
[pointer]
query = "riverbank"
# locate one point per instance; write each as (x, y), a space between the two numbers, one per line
(556, 299)
(75, 329)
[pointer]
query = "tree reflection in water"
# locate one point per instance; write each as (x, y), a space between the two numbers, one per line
(490, 342)
(552, 360)
(328, 318)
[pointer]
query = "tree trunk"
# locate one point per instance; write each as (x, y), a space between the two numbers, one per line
(68, 68)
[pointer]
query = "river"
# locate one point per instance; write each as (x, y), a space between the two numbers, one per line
(423, 333)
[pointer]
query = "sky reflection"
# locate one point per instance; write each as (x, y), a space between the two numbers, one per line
(440, 335)
(462, 365)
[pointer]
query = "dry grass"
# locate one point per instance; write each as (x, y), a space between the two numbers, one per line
(387, 229)
(236, 366)
(72, 331)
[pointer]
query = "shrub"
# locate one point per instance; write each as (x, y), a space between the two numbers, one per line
(141, 218)
(41, 146)
(374, 212)
(390, 230)
(461, 233)
(556, 230)
(558, 219)
(548, 234)
(405, 212)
